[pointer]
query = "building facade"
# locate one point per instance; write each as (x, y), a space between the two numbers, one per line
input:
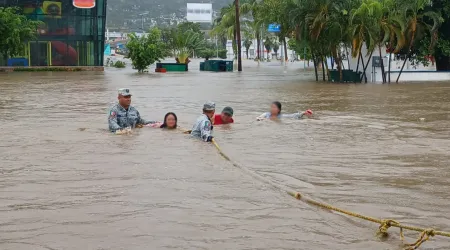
(72, 32)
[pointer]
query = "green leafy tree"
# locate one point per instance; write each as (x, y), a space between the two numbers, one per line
(184, 40)
(417, 29)
(225, 24)
(253, 10)
(15, 29)
(119, 64)
(301, 48)
(419, 24)
(146, 50)
(268, 44)
(274, 12)
(442, 50)
(222, 53)
(247, 43)
(185, 26)
(208, 51)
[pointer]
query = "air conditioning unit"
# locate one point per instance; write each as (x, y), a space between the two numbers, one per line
(52, 9)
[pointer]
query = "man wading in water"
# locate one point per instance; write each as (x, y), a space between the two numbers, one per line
(203, 126)
(122, 116)
(225, 117)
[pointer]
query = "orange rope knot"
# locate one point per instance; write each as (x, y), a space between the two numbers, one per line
(298, 196)
(424, 236)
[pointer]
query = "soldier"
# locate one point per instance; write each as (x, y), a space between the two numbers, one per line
(123, 116)
(203, 126)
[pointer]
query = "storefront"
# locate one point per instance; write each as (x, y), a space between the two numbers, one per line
(72, 33)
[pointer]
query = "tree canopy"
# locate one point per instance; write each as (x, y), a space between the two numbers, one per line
(146, 50)
(416, 29)
(15, 29)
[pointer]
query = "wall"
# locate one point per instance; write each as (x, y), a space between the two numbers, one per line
(410, 72)
(420, 76)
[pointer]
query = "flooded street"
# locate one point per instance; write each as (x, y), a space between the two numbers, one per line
(66, 187)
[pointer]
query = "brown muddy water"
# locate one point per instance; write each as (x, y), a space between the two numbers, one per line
(63, 187)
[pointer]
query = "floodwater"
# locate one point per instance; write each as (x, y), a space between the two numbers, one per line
(67, 183)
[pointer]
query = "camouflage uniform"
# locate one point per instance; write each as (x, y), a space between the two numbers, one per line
(121, 118)
(203, 126)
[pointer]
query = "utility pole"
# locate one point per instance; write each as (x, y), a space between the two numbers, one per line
(238, 35)
(142, 20)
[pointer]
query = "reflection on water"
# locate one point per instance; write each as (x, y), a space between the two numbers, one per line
(63, 187)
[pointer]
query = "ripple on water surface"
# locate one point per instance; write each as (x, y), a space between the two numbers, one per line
(63, 187)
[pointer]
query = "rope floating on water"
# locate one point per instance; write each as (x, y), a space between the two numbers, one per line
(425, 233)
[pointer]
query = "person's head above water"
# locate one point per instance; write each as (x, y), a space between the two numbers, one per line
(275, 108)
(124, 96)
(209, 109)
(170, 121)
(227, 115)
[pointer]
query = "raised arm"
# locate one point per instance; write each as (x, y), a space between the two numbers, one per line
(298, 115)
(262, 116)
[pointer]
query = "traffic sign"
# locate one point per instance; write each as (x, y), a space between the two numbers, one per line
(274, 27)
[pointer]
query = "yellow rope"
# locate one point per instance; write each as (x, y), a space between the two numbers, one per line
(425, 233)
(424, 236)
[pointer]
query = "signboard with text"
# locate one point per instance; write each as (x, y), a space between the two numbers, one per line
(274, 27)
(199, 12)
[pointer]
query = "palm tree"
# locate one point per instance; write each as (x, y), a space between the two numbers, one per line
(247, 43)
(365, 29)
(417, 26)
(253, 9)
(183, 43)
(322, 27)
(225, 24)
(275, 12)
(298, 10)
(392, 27)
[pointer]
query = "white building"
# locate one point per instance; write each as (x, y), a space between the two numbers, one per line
(114, 35)
(410, 72)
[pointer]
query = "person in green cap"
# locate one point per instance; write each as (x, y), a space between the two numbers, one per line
(225, 117)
